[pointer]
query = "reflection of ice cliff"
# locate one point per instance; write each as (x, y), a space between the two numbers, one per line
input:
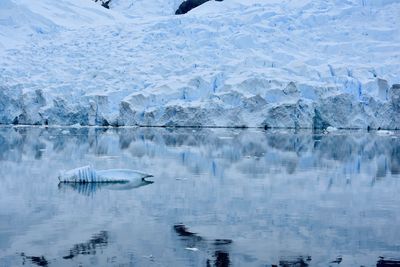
(217, 148)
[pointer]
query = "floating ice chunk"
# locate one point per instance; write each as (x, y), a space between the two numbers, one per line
(192, 249)
(384, 132)
(129, 185)
(87, 174)
(331, 129)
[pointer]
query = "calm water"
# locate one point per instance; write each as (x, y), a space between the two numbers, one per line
(220, 197)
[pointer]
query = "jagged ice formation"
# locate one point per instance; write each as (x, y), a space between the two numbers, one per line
(296, 64)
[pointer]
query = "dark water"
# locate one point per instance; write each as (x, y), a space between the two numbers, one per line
(219, 198)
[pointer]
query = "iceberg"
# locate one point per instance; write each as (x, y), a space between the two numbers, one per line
(87, 174)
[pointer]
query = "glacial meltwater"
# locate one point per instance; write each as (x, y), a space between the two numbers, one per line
(219, 197)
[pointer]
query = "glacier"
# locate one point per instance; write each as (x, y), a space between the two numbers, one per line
(235, 63)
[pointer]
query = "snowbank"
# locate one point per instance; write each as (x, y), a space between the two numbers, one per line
(297, 64)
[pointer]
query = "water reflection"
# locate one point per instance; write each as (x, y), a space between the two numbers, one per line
(39, 261)
(98, 241)
(220, 259)
(89, 189)
(16, 142)
(251, 198)
(86, 189)
(295, 262)
(218, 247)
(388, 263)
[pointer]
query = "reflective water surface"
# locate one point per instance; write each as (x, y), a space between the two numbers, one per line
(220, 197)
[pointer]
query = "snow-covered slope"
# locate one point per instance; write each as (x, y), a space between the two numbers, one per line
(271, 63)
(23, 19)
(17, 23)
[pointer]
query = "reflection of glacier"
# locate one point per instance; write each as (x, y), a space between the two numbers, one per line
(276, 194)
(352, 150)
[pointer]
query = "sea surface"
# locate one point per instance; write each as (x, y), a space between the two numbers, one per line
(220, 197)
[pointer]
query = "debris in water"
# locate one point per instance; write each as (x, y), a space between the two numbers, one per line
(338, 260)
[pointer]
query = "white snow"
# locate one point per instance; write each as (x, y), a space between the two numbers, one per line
(298, 64)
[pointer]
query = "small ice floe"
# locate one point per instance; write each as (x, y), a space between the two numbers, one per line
(109, 157)
(192, 249)
(225, 137)
(331, 129)
(65, 132)
(87, 174)
(384, 132)
(149, 257)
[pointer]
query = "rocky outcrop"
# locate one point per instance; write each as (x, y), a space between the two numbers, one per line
(104, 3)
(188, 5)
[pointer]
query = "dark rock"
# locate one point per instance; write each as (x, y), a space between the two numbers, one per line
(104, 3)
(188, 5)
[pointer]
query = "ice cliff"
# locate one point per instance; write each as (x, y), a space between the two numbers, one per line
(297, 64)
